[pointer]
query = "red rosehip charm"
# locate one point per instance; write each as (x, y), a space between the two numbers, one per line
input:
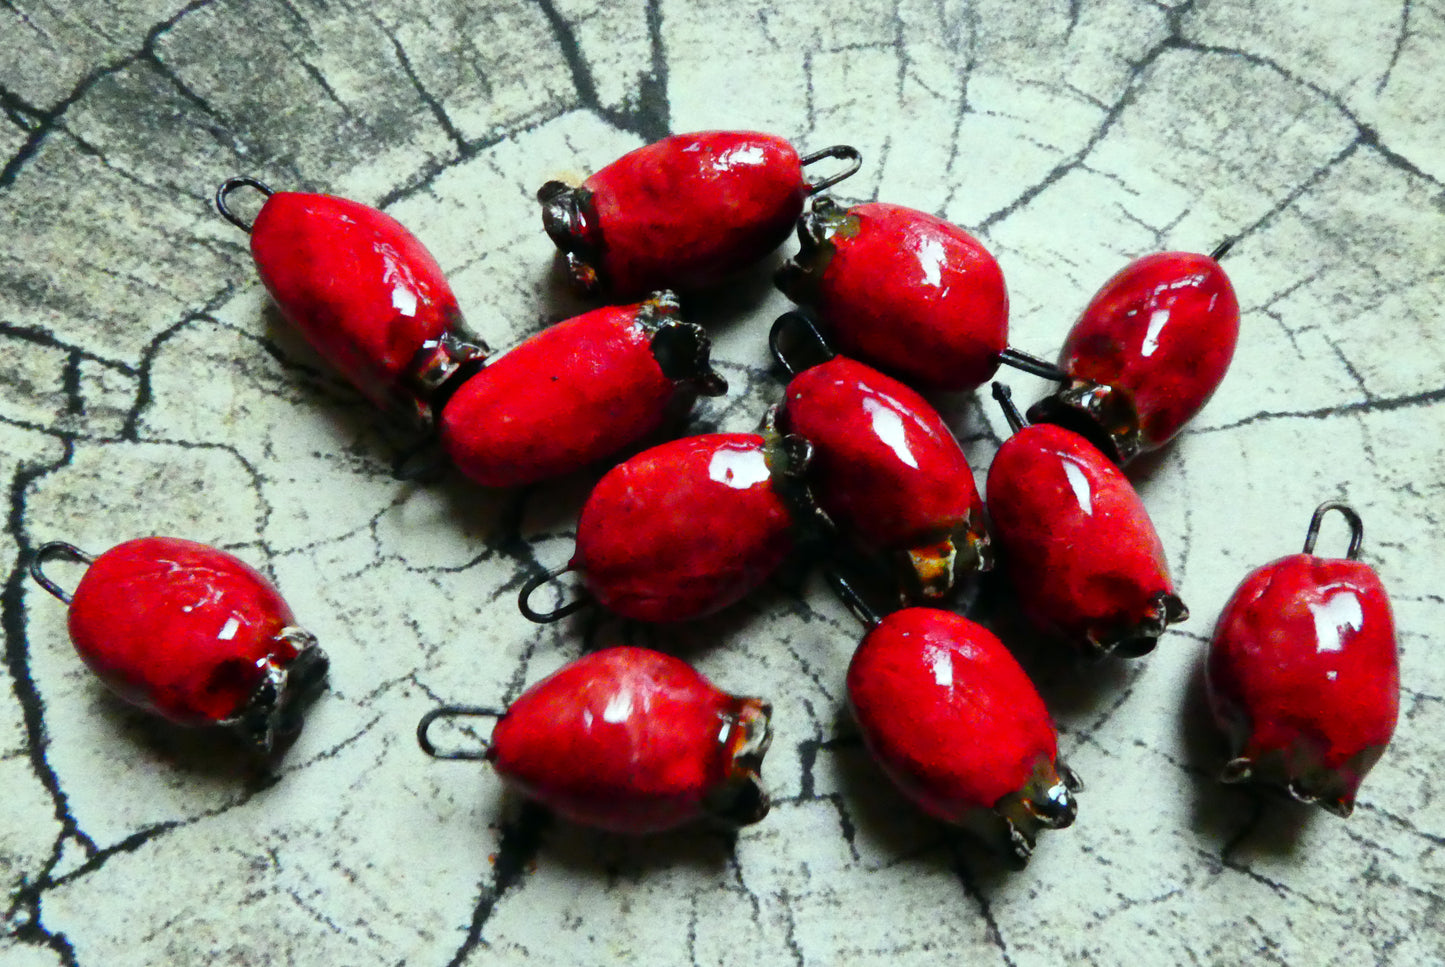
(959, 728)
(1303, 674)
(191, 634)
(901, 290)
(1147, 354)
(884, 466)
(628, 740)
(370, 299)
(1076, 543)
(681, 213)
(577, 392)
(362, 289)
(681, 530)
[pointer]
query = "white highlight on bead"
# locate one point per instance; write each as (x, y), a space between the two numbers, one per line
(739, 469)
(1339, 614)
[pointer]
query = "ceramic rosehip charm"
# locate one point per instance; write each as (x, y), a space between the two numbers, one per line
(903, 291)
(1076, 543)
(1303, 674)
(1147, 353)
(884, 466)
(191, 634)
(956, 724)
(576, 392)
(369, 298)
(365, 293)
(629, 740)
(682, 213)
(681, 530)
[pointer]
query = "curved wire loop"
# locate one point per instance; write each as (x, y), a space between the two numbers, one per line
(55, 549)
(843, 151)
(1005, 397)
(849, 595)
(421, 462)
(547, 617)
(453, 712)
(1352, 516)
(224, 192)
(1032, 364)
(795, 336)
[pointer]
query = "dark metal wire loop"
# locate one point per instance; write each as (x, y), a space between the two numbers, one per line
(792, 331)
(1005, 397)
(423, 461)
(453, 712)
(55, 549)
(1352, 516)
(547, 617)
(224, 192)
(1032, 364)
(849, 595)
(843, 151)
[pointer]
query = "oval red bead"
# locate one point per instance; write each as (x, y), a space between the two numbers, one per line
(681, 213)
(683, 529)
(1303, 674)
(1077, 544)
(884, 467)
(634, 741)
(947, 712)
(361, 288)
(576, 392)
(179, 628)
(899, 289)
(1162, 333)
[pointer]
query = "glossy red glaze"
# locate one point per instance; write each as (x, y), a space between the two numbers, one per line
(690, 209)
(1164, 329)
(915, 296)
(1074, 537)
(626, 739)
(1303, 665)
(683, 529)
(360, 287)
(179, 628)
(572, 394)
(947, 712)
(885, 467)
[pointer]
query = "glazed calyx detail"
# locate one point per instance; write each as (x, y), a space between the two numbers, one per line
(799, 276)
(271, 715)
(570, 219)
(1046, 801)
(1301, 771)
(682, 349)
(740, 799)
(931, 571)
(1139, 638)
(1104, 415)
(440, 368)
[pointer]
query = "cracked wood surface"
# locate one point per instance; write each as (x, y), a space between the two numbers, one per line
(146, 386)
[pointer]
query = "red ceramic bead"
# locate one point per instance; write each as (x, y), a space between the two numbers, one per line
(1303, 676)
(888, 471)
(899, 289)
(1149, 351)
(576, 392)
(681, 213)
(635, 741)
(1077, 544)
(957, 725)
(362, 290)
(184, 630)
(683, 529)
